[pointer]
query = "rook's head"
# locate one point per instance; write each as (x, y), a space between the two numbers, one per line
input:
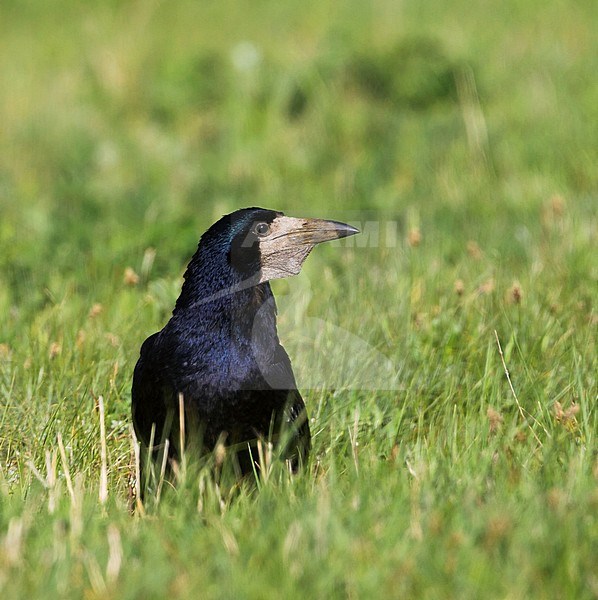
(268, 245)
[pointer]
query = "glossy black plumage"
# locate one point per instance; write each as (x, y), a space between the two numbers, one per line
(220, 350)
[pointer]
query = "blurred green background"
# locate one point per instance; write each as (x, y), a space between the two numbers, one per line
(127, 128)
(135, 124)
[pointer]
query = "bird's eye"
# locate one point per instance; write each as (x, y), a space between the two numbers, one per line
(262, 229)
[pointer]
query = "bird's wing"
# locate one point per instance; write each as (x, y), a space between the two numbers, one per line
(278, 371)
(296, 422)
(295, 414)
(148, 406)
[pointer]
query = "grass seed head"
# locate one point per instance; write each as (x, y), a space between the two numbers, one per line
(557, 204)
(130, 277)
(497, 530)
(55, 349)
(565, 414)
(553, 211)
(520, 436)
(414, 237)
(81, 336)
(474, 250)
(112, 339)
(495, 419)
(515, 295)
(95, 310)
(487, 287)
(556, 498)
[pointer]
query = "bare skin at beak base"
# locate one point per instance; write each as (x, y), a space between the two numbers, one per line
(291, 240)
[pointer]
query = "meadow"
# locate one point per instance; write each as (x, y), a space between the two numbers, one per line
(447, 356)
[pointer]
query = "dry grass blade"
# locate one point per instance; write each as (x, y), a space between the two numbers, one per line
(508, 376)
(137, 459)
(162, 470)
(65, 466)
(103, 494)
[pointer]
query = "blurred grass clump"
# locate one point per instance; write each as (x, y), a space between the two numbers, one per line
(460, 138)
(416, 73)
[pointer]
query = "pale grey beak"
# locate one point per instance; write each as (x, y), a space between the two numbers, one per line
(319, 230)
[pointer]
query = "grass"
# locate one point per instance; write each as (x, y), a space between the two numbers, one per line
(461, 138)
